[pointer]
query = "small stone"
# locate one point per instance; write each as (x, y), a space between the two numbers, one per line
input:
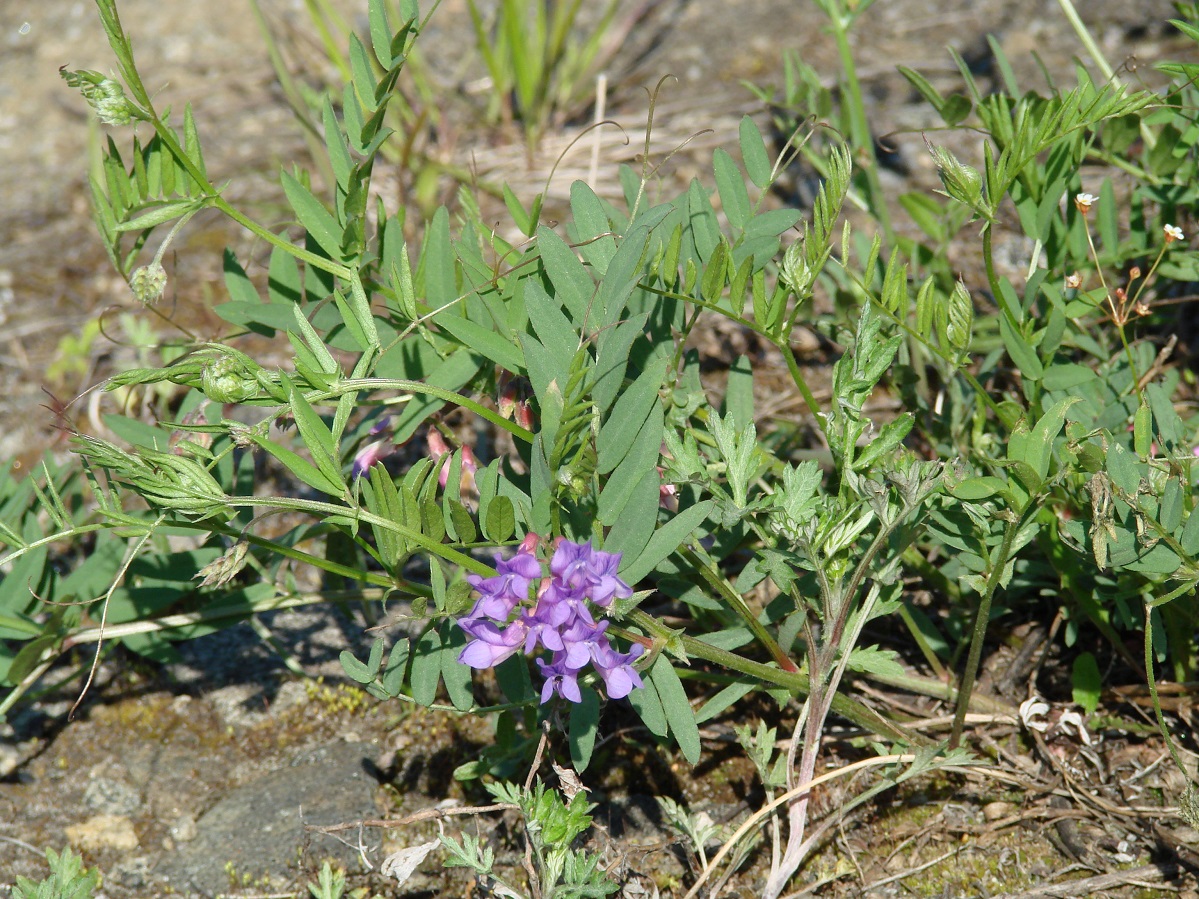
(103, 832)
(184, 829)
(10, 760)
(994, 811)
(111, 797)
(132, 873)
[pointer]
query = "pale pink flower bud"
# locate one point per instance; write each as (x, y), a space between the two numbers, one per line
(524, 416)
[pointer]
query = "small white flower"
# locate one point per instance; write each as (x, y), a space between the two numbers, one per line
(1083, 202)
(1173, 233)
(1074, 281)
(1074, 719)
(1032, 713)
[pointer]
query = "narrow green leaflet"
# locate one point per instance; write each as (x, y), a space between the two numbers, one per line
(426, 667)
(627, 419)
(552, 327)
(734, 198)
(1044, 433)
(635, 524)
(360, 672)
(665, 541)
(318, 438)
(584, 725)
(677, 708)
(457, 677)
(299, 466)
(753, 153)
(1023, 354)
(642, 457)
(648, 706)
(312, 214)
(572, 284)
(721, 701)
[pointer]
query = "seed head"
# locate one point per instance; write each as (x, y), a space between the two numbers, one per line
(148, 283)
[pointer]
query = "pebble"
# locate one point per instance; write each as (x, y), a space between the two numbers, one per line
(10, 758)
(103, 832)
(994, 811)
(111, 797)
(184, 829)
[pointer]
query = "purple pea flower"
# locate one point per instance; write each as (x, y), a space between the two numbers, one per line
(592, 571)
(490, 645)
(500, 594)
(559, 620)
(570, 563)
(620, 677)
(583, 642)
(559, 679)
(601, 575)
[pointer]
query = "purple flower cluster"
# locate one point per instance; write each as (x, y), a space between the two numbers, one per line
(507, 619)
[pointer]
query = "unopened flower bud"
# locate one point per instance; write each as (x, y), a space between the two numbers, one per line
(104, 95)
(962, 182)
(1073, 281)
(1134, 273)
(226, 380)
(148, 283)
(523, 415)
(797, 274)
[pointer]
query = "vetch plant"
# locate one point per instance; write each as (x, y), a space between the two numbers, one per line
(605, 517)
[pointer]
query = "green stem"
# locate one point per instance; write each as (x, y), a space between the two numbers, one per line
(1088, 42)
(801, 383)
(980, 629)
(721, 586)
(1157, 705)
(793, 681)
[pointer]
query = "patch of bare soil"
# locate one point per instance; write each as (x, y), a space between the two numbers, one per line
(157, 759)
